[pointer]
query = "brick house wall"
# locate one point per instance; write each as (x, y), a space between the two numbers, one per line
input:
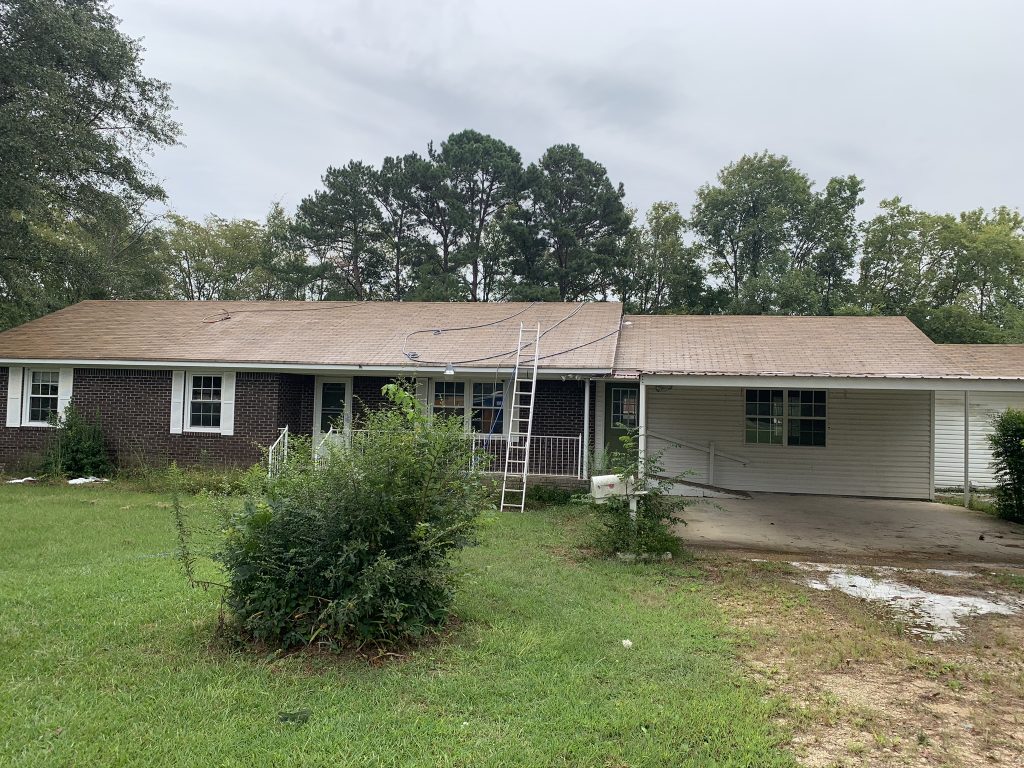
(133, 408)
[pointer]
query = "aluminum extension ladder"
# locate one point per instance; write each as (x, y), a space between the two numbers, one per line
(517, 452)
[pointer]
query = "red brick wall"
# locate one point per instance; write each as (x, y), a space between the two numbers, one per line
(21, 450)
(133, 407)
(134, 410)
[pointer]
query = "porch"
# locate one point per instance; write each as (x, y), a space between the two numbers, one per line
(554, 456)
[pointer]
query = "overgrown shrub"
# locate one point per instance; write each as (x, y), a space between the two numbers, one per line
(1007, 441)
(647, 531)
(358, 549)
(76, 447)
(223, 481)
(547, 495)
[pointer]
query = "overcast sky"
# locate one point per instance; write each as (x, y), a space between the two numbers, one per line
(919, 98)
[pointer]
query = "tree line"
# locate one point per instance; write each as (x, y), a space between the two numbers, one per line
(464, 220)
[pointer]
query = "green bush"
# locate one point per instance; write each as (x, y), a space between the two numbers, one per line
(224, 481)
(358, 549)
(77, 447)
(648, 531)
(547, 495)
(1007, 441)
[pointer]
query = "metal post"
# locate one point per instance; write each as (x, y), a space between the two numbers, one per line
(642, 429)
(711, 463)
(967, 449)
(585, 464)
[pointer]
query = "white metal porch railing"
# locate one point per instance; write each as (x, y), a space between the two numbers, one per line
(277, 454)
(708, 448)
(554, 455)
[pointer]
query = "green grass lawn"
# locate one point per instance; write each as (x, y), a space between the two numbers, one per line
(106, 659)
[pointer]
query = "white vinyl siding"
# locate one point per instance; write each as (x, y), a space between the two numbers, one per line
(949, 435)
(879, 443)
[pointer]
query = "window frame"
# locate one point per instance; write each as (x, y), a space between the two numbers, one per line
(468, 386)
(26, 396)
(633, 391)
(186, 416)
(318, 384)
(786, 417)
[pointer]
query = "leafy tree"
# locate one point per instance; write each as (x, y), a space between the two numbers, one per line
(568, 231)
(658, 272)
(777, 245)
(486, 176)
(77, 117)
(895, 262)
(341, 225)
(446, 221)
(403, 245)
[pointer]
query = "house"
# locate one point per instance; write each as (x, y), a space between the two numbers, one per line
(996, 362)
(835, 405)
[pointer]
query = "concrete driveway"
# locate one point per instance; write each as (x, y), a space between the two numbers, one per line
(827, 527)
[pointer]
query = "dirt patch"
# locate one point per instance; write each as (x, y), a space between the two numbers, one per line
(862, 688)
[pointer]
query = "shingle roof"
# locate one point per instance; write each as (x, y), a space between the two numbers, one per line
(1001, 361)
(783, 346)
(370, 334)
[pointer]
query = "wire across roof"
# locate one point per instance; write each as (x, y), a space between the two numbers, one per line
(578, 336)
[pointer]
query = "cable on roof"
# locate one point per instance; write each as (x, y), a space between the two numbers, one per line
(416, 358)
(439, 331)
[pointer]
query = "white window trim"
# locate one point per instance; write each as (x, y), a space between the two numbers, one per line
(65, 377)
(786, 417)
(227, 403)
(506, 422)
(318, 401)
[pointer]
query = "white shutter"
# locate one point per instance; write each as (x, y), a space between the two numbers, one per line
(67, 379)
(227, 403)
(14, 390)
(177, 400)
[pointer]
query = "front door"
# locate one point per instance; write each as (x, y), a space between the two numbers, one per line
(330, 407)
(621, 413)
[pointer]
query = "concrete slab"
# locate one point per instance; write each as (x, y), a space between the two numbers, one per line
(830, 527)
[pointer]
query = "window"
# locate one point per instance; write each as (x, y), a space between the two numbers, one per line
(799, 414)
(450, 398)
(764, 416)
(487, 417)
(332, 405)
(205, 402)
(43, 396)
(806, 417)
(625, 406)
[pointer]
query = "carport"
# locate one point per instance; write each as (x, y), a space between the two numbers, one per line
(839, 406)
(825, 527)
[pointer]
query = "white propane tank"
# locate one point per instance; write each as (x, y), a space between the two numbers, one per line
(602, 487)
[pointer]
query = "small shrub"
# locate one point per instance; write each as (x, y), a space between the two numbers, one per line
(547, 495)
(224, 481)
(77, 447)
(359, 549)
(648, 531)
(1007, 441)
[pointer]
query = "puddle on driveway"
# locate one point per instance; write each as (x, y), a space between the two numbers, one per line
(933, 615)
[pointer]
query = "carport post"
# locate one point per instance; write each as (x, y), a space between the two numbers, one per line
(586, 428)
(641, 439)
(967, 449)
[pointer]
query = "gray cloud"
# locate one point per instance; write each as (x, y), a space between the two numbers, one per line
(919, 98)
